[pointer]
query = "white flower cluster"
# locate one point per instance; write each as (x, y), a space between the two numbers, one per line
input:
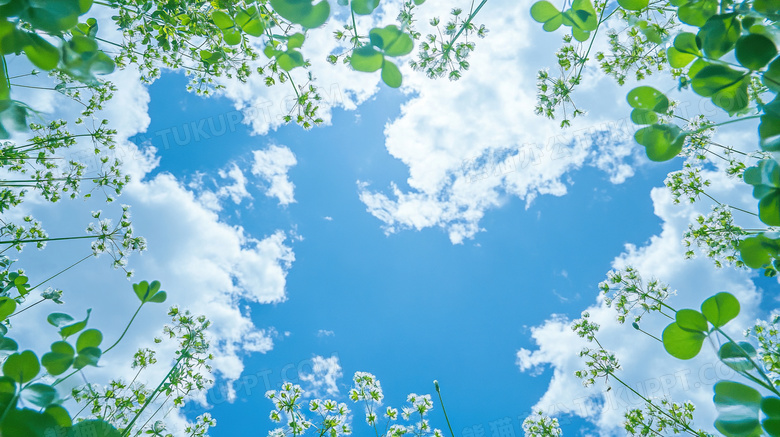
(334, 416)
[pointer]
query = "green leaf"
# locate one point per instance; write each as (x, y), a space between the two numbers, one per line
(584, 15)
(160, 296)
(82, 59)
(89, 338)
(95, 427)
(293, 10)
(232, 36)
(580, 35)
(68, 330)
(59, 319)
(318, 16)
(754, 51)
(720, 34)
(686, 48)
(766, 7)
(250, 21)
(8, 398)
(765, 178)
(769, 131)
(696, 13)
(41, 53)
(726, 87)
(391, 40)
(7, 385)
(662, 141)
(364, 7)
(689, 43)
(89, 356)
(770, 405)
(720, 309)
(222, 20)
(39, 395)
(738, 355)
(7, 346)
(22, 367)
(60, 415)
(678, 59)
(295, 41)
(52, 16)
(647, 97)
(634, 5)
(544, 11)
(697, 66)
(85, 6)
(553, 24)
(758, 251)
(28, 423)
(287, 61)
(769, 209)
(691, 320)
(366, 59)
(771, 77)
(713, 78)
(681, 343)
(59, 360)
(391, 75)
(651, 31)
(644, 116)
(737, 406)
(7, 307)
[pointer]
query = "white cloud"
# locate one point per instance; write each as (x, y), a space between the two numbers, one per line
(237, 190)
(272, 164)
(204, 264)
(645, 365)
(472, 143)
(325, 333)
(324, 377)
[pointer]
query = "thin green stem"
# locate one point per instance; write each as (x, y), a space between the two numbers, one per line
(590, 46)
(436, 384)
(732, 207)
(153, 394)
(649, 335)
(126, 328)
(710, 126)
(40, 240)
(687, 428)
(354, 26)
(466, 23)
(61, 272)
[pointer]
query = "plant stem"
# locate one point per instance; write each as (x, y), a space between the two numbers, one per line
(126, 328)
(462, 28)
(154, 393)
(436, 384)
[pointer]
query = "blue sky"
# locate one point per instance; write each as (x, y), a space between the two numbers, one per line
(409, 307)
(368, 244)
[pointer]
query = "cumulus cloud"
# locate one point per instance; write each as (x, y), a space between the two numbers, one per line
(471, 143)
(204, 264)
(272, 165)
(324, 377)
(645, 365)
(235, 191)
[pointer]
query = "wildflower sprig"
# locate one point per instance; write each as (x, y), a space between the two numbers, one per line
(627, 293)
